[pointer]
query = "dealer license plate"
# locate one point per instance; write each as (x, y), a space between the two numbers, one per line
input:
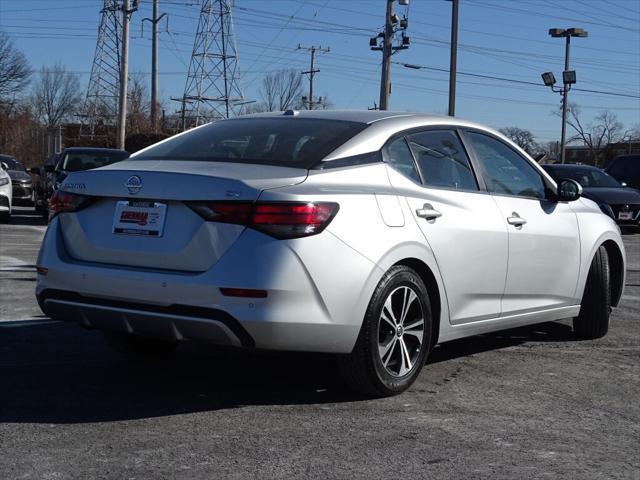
(625, 215)
(139, 218)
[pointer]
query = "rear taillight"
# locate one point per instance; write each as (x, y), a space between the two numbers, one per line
(61, 202)
(277, 219)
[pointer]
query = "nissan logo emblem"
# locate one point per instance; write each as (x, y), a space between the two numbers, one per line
(134, 184)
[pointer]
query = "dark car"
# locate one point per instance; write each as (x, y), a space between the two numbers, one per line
(43, 183)
(72, 159)
(620, 203)
(21, 182)
(626, 169)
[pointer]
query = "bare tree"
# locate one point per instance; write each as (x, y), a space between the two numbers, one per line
(138, 116)
(14, 69)
(281, 90)
(521, 137)
(55, 96)
(597, 135)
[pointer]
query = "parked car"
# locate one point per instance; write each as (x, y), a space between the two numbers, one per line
(626, 169)
(21, 182)
(620, 203)
(370, 235)
(72, 159)
(44, 184)
(6, 193)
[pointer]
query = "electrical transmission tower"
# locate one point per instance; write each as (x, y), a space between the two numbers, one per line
(101, 104)
(212, 89)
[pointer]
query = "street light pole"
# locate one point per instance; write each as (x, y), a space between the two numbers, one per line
(454, 58)
(568, 78)
(565, 102)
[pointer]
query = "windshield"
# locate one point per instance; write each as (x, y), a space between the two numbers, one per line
(588, 178)
(12, 163)
(286, 142)
(77, 161)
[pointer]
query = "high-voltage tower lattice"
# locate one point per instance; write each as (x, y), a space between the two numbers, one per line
(212, 90)
(101, 104)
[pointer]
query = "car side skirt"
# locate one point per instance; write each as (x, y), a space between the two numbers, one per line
(454, 332)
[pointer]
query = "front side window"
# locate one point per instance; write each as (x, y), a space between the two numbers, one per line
(505, 171)
(398, 155)
(281, 141)
(442, 160)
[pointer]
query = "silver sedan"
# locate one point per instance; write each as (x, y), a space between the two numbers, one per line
(370, 235)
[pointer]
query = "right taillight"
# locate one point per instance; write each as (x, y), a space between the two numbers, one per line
(277, 219)
(61, 202)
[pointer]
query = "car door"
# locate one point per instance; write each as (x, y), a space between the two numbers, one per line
(544, 242)
(462, 225)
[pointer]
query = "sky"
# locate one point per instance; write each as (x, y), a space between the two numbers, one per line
(503, 48)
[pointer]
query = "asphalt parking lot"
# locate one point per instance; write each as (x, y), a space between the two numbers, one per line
(531, 402)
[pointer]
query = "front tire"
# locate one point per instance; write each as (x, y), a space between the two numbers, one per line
(395, 337)
(593, 321)
(5, 217)
(138, 347)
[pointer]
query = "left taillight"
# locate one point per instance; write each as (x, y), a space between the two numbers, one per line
(281, 220)
(62, 202)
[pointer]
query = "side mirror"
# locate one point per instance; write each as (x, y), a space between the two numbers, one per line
(49, 168)
(34, 170)
(568, 190)
(4, 166)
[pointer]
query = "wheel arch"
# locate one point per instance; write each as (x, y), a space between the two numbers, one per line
(616, 267)
(429, 279)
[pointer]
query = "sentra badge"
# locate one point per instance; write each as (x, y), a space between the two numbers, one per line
(134, 184)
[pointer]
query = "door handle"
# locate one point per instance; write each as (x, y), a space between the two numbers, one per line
(516, 220)
(427, 211)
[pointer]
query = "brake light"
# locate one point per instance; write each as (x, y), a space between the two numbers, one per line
(278, 219)
(62, 202)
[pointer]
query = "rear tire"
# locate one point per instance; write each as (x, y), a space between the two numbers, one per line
(137, 346)
(593, 321)
(395, 337)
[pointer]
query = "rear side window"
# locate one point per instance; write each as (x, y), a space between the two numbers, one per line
(442, 160)
(286, 142)
(398, 155)
(505, 171)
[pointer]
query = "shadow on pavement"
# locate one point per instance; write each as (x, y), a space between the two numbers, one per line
(58, 373)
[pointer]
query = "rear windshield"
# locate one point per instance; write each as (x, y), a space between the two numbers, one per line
(77, 161)
(286, 142)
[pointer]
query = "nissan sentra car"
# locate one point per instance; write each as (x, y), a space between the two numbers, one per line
(369, 235)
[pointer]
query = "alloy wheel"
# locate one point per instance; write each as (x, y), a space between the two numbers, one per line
(400, 331)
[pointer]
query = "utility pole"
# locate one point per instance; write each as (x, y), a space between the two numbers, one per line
(154, 63)
(312, 71)
(387, 48)
(385, 80)
(454, 58)
(124, 73)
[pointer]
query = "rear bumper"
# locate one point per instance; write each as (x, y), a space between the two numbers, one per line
(306, 308)
(177, 322)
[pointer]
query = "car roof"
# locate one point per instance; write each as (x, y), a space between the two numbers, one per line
(571, 166)
(360, 116)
